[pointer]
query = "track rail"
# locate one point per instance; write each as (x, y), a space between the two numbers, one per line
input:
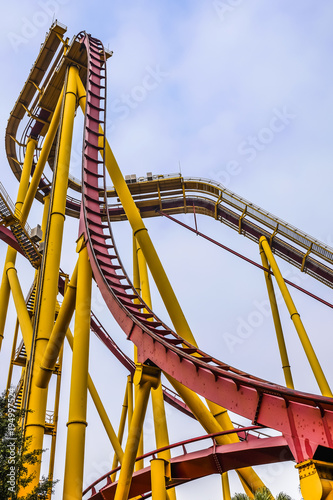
(194, 465)
(305, 420)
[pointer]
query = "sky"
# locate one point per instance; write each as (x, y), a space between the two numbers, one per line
(241, 93)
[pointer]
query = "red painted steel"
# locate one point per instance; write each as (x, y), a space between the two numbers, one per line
(188, 466)
(7, 236)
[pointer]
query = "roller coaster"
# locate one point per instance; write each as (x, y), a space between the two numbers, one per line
(68, 75)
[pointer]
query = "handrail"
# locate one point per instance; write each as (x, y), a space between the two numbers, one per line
(197, 439)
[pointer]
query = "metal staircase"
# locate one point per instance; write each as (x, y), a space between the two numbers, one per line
(11, 217)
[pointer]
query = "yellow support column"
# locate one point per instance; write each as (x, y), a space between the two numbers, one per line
(145, 377)
(11, 252)
(160, 422)
(21, 307)
(114, 440)
(316, 480)
(225, 486)
(25, 175)
(38, 397)
(46, 148)
(120, 431)
(58, 334)
(250, 480)
(137, 286)
(307, 346)
(73, 479)
(157, 471)
(277, 323)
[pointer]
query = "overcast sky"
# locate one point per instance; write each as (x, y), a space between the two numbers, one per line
(239, 92)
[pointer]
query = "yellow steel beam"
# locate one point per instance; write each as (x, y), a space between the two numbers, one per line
(277, 323)
(11, 252)
(74, 463)
(316, 480)
(307, 346)
(120, 430)
(12, 357)
(160, 422)
(250, 480)
(47, 144)
(49, 288)
(157, 472)
(58, 333)
(225, 486)
(137, 285)
(5, 291)
(21, 307)
(114, 440)
(25, 175)
(145, 377)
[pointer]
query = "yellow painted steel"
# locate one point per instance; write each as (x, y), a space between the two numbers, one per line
(11, 252)
(12, 357)
(5, 291)
(38, 397)
(160, 422)
(46, 200)
(250, 480)
(73, 479)
(137, 284)
(21, 307)
(145, 377)
(114, 440)
(157, 471)
(277, 323)
(55, 418)
(307, 346)
(25, 175)
(47, 144)
(130, 400)
(120, 431)
(316, 480)
(225, 486)
(143, 274)
(58, 333)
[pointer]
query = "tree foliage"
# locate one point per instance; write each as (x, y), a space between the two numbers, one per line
(261, 494)
(15, 456)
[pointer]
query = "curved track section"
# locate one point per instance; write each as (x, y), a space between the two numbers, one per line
(305, 420)
(198, 464)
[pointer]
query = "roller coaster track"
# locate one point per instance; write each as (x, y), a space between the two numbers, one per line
(251, 450)
(304, 420)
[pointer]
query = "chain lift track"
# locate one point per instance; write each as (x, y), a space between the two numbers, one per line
(304, 420)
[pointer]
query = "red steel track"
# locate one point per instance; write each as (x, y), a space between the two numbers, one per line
(305, 420)
(194, 465)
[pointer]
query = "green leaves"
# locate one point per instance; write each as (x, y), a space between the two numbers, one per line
(262, 494)
(15, 457)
